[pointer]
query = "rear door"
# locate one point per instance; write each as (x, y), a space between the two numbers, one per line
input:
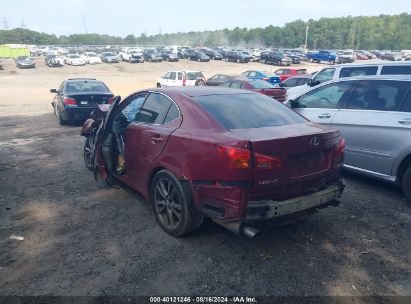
(373, 125)
(321, 104)
(148, 134)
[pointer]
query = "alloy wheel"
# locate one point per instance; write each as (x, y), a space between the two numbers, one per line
(167, 203)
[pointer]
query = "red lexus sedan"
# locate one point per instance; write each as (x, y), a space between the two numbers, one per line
(257, 85)
(235, 156)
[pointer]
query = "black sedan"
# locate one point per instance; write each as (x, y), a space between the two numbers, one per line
(199, 56)
(25, 62)
(168, 55)
(77, 98)
(235, 56)
(212, 54)
(218, 79)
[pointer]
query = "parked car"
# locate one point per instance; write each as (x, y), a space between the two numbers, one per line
(350, 70)
(374, 116)
(360, 56)
(276, 57)
(76, 98)
(54, 61)
(346, 56)
(295, 81)
(217, 162)
(183, 54)
(74, 59)
(262, 75)
(25, 62)
(322, 55)
(152, 55)
(109, 57)
(238, 57)
(198, 56)
(218, 79)
(92, 58)
(1, 65)
(295, 58)
(259, 86)
(212, 54)
(168, 55)
(289, 72)
(182, 78)
(132, 55)
(393, 56)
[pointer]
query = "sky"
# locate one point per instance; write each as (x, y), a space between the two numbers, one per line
(64, 17)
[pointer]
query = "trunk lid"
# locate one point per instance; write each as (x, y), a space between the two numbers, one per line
(277, 93)
(90, 99)
(285, 156)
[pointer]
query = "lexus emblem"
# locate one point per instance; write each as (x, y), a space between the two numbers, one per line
(315, 142)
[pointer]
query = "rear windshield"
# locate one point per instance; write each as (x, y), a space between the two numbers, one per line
(261, 84)
(302, 71)
(193, 75)
(84, 87)
(245, 111)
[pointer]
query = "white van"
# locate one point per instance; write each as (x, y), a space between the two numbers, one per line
(335, 72)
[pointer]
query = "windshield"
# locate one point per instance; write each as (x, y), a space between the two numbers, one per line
(108, 54)
(86, 86)
(245, 111)
(261, 84)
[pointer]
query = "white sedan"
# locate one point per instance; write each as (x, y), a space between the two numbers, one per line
(74, 59)
(92, 58)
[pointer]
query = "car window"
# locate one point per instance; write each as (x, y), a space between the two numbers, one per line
(290, 82)
(379, 95)
(302, 81)
(279, 72)
(286, 72)
(327, 96)
(167, 75)
(406, 107)
(227, 84)
(173, 75)
(172, 113)
(154, 109)
(237, 85)
(215, 77)
(396, 70)
(133, 107)
(262, 111)
(180, 76)
(302, 71)
(252, 74)
(86, 86)
(324, 75)
(358, 71)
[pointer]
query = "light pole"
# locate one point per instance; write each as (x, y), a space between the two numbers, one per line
(306, 36)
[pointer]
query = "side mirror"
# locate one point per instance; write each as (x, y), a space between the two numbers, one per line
(293, 103)
(54, 91)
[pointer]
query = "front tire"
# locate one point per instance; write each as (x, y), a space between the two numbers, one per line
(87, 153)
(173, 205)
(406, 184)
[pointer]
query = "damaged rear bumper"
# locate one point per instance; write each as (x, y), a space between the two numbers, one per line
(268, 209)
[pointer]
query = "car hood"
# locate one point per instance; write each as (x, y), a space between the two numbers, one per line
(26, 61)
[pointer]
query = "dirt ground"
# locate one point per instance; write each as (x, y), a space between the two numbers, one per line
(83, 238)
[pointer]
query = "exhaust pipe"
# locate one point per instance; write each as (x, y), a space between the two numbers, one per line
(238, 228)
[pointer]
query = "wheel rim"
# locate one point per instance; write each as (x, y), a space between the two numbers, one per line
(167, 203)
(88, 148)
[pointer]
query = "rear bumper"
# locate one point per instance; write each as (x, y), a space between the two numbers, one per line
(267, 209)
(77, 113)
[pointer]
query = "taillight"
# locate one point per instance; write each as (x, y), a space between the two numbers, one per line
(69, 101)
(267, 162)
(110, 100)
(265, 78)
(235, 157)
(339, 153)
(184, 80)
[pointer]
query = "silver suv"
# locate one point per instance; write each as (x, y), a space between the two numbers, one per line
(374, 116)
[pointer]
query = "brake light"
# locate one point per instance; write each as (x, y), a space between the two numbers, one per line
(265, 78)
(69, 101)
(235, 157)
(110, 100)
(267, 162)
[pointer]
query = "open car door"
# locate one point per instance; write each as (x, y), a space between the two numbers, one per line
(102, 153)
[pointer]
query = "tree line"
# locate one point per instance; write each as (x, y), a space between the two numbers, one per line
(362, 32)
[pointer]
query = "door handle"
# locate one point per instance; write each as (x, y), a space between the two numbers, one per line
(406, 121)
(156, 139)
(325, 115)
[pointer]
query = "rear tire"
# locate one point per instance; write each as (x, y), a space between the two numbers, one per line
(62, 122)
(406, 184)
(173, 205)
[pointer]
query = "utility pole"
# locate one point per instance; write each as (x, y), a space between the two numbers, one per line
(306, 36)
(85, 24)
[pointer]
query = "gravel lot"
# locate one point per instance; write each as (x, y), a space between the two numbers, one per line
(83, 238)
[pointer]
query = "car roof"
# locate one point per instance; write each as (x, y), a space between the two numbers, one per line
(196, 91)
(375, 77)
(371, 63)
